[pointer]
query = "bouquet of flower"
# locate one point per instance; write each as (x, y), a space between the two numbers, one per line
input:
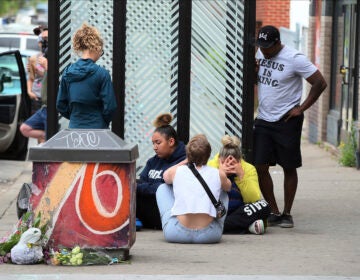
(78, 256)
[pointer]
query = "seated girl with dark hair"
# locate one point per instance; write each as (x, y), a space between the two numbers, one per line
(168, 152)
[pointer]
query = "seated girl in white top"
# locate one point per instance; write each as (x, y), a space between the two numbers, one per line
(187, 213)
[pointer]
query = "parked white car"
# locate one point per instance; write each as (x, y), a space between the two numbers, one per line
(26, 43)
(14, 105)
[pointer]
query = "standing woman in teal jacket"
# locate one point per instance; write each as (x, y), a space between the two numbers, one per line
(86, 95)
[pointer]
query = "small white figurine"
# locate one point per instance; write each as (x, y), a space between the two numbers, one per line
(27, 251)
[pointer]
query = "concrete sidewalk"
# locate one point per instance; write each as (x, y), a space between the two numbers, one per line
(324, 244)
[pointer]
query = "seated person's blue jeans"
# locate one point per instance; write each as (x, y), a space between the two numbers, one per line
(175, 232)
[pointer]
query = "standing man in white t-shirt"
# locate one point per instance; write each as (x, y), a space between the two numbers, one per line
(278, 125)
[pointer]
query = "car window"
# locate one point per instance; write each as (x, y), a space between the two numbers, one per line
(32, 44)
(9, 75)
(10, 42)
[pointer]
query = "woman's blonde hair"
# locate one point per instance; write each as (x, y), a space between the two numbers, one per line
(87, 38)
(198, 150)
(231, 147)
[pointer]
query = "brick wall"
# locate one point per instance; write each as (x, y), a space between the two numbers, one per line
(273, 12)
(317, 114)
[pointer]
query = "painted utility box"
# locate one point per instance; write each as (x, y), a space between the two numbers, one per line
(83, 186)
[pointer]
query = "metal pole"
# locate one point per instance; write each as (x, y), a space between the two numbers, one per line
(183, 117)
(356, 64)
(249, 81)
(53, 67)
(119, 55)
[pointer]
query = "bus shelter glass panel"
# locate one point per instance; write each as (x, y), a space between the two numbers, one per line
(151, 69)
(216, 69)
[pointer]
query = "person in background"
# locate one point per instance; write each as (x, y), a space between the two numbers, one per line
(187, 213)
(35, 126)
(278, 125)
(247, 210)
(36, 69)
(168, 152)
(86, 95)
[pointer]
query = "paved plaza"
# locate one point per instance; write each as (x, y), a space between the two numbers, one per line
(324, 244)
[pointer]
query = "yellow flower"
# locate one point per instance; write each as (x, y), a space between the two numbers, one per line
(55, 261)
(341, 145)
(76, 250)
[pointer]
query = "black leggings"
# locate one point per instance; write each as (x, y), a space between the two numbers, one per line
(239, 220)
(147, 211)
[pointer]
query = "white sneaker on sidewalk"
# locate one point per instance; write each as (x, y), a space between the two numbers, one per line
(257, 227)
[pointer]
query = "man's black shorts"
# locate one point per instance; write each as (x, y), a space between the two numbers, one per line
(278, 142)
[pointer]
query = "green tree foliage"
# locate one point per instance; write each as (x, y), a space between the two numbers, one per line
(10, 7)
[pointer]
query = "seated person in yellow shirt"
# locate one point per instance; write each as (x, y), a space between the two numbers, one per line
(247, 210)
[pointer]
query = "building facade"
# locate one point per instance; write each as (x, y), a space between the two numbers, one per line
(334, 47)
